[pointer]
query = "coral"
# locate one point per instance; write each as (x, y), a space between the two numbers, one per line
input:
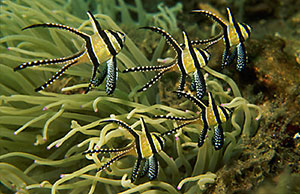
(43, 135)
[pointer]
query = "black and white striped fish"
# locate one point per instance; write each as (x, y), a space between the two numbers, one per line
(102, 46)
(145, 146)
(189, 60)
(234, 35)
(210, 116)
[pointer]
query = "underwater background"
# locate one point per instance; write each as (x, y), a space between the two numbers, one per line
(43, 135)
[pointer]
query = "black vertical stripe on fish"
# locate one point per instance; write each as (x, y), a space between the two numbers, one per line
(203, 55)
(158, 138)
(236, 26)
(215, 109)
(227, 48)
(192, 52)
(138, 147)
(117, 37)
(91, 53)
(103, 35)
(149, 137)
(246, 28)
(108, 43)
(226, 37)
(97, 25)
(225, 113)
(239, 32)
(199, 83)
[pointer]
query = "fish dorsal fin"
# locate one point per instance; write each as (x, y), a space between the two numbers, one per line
(230, 17)
(95, 24)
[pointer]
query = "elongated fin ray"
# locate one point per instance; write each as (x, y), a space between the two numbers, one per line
(174, 130)
(130, 130)
(153, 80)
(114, 159)
(104, 150)
(190, 97)
(122, 124)
(148, 68)
(170, 40)
(174, 118)
(212, 16)
(50, 61)
(60, 26)
(95, 24)
(55, 76)
(181, 84)
(209, 41)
